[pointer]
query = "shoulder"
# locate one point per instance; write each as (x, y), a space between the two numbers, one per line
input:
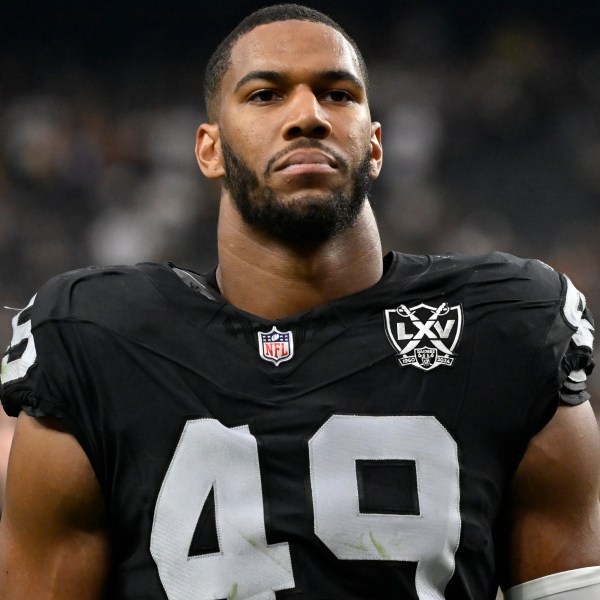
(93, 293)
(531, 283)
(535, 307)
(494, 277)
(505, 272)
(511, 294)
(530, 287)
(64, 320)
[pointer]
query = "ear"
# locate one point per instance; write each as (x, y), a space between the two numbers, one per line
(208, 151)
(376, 150)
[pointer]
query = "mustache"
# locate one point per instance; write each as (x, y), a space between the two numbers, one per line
(305, 143)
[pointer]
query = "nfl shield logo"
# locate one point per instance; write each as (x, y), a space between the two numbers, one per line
(276, 346)
(424, 336)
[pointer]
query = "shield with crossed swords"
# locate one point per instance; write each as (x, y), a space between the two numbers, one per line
(424, 336)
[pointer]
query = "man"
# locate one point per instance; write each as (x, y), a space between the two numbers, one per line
(311, 420)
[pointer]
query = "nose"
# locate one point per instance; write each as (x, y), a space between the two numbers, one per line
(305, 117)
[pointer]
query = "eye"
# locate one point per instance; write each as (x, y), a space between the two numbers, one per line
(337, 96)
(267, 95)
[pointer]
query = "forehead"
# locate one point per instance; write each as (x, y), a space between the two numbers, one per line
(291, 46)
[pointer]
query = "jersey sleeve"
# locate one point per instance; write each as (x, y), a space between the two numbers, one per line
(47, 369)
(37, 373)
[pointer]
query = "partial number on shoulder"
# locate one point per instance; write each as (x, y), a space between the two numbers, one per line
(21, 354)
(577, 362)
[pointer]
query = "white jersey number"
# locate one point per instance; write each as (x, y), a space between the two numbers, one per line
(209, 456)
(212, 456)
(17, 368)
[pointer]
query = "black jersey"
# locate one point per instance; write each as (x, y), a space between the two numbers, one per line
(361, 450)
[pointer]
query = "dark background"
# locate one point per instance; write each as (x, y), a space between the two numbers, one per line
(490, 112)
(102, 33)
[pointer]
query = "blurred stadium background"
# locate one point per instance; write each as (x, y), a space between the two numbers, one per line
(491, 114)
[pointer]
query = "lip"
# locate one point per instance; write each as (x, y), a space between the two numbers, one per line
(306, 161)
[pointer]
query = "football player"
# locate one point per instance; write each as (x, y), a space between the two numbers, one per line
(310, 420)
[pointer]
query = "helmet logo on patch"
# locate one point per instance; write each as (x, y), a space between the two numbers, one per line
(424, 336)
(276, 346)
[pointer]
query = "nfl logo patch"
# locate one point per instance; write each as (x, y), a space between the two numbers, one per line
(424, 336)
(276, 346)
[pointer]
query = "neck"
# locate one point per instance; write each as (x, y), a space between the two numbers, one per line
(272, 280)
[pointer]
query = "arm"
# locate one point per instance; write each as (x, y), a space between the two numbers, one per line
(7, 425)
(53, 538)
(553, 513)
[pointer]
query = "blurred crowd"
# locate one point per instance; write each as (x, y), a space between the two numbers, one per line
(495, 146)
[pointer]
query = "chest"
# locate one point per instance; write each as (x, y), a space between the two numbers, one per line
(347, 458)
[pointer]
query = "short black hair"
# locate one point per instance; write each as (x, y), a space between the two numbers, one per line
(220, 61)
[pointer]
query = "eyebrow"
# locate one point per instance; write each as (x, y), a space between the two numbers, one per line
(281, 78)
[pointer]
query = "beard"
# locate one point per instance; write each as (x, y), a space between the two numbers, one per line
(305, 221)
